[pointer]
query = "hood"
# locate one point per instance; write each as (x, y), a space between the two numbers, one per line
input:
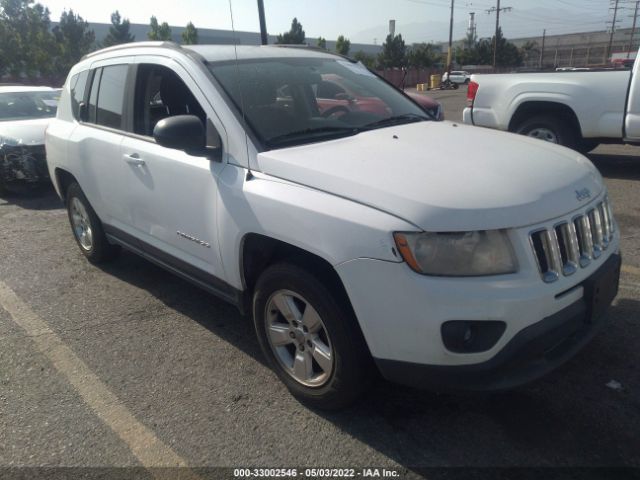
(28, 132)
(442, 176)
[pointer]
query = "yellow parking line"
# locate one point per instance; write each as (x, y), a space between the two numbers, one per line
(147, 448)
(630, 269)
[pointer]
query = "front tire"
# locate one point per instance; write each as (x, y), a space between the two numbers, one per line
(550, 129)
(310, 338)
(87, 228)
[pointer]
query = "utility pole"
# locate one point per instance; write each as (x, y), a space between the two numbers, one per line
(613, 27)
(544, 36)
(633, 29)
(450, 54)
(497, 9)
(263, 23)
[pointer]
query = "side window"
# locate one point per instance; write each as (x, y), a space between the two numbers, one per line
(78, 88)
(159, 94)
(93, 96)
(111, 96)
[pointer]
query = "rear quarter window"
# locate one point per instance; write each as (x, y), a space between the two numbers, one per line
(78, 88)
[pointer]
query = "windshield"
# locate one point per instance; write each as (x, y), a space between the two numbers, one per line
(294, 101)
(28, 105)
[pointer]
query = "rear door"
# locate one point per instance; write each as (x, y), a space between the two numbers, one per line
(632, 119)
(97, 139)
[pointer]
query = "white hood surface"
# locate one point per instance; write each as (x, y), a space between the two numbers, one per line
(442, 176)
(29, 132)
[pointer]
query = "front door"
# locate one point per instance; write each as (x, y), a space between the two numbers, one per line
(172, 195)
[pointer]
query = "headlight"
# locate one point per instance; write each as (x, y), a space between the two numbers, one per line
(458, 254)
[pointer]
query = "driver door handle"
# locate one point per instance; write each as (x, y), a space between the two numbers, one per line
(133, 159)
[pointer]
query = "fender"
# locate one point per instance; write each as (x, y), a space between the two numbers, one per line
(333, 228)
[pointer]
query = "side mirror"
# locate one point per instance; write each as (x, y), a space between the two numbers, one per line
(181, 132)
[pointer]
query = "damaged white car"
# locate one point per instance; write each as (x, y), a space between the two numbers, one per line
(25, 113)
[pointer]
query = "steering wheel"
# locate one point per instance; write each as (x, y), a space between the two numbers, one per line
(334, 110)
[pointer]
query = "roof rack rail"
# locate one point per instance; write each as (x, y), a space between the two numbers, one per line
(124, 46)
(297, 45)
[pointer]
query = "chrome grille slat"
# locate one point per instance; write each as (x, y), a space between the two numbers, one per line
(606, 223)
(564, 248)
(612, 224)
(587, 239)
(596, 231)
(569, 242)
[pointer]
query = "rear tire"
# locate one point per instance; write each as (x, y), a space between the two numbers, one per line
(87, 228)
(549, 128)
(310, 338)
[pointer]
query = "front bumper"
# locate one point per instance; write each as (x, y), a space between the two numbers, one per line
(531, 353)
(23, 163)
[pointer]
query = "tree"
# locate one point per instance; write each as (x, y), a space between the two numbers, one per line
(118, 32)
(393, 52)
(423, 55)
(470, 40)
(295, 36)
(367, 60)
(481, 53)
(152, 34)
(322, 43)
(190, 34)
(158, 32)
(74, 39)
(343, 45)
(530, 52)
(27, 47)
(508, 53)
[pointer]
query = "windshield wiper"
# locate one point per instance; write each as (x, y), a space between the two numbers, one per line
(396, 120)
(295, 136)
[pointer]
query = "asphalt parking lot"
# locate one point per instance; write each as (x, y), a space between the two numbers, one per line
(129, 366)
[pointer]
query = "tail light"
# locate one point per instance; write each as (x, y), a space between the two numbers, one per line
(472, 91)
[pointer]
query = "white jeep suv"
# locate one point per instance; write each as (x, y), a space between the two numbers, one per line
(355, 247)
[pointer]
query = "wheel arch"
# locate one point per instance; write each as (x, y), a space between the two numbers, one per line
(530, 108)
(258, 252)
(63, 179)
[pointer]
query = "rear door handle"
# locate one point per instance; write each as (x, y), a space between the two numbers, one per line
(133, 159)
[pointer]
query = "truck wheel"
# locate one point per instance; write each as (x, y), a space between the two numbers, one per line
(312, 342)
(548, 128)
(87, 228)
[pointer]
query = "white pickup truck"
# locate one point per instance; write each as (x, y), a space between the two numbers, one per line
(576, 109)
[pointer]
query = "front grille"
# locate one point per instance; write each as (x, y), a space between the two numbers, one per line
(564, 248)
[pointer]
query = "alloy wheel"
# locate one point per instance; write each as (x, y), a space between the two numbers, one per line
(299, 339)
(81, 224)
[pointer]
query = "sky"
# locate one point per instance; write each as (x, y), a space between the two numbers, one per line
(363, 21)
